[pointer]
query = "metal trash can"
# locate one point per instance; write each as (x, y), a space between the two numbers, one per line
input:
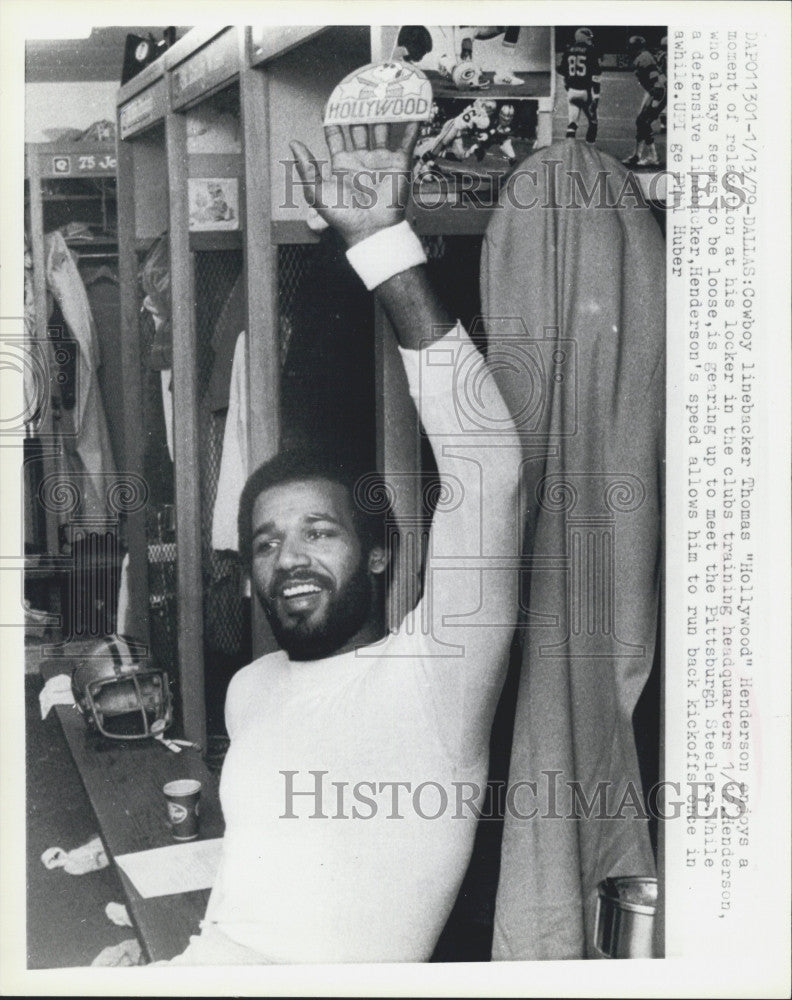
(624, 925)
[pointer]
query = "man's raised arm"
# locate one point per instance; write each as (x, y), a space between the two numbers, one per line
(470, 595)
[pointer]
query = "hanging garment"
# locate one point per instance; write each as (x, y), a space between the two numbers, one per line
(158, 447)
(234, 461)
(232, 319)
(86, 439)
(585, 381)
(104, 300)
(31, 389)
(123, 626)
(166, 381)
(155, 281)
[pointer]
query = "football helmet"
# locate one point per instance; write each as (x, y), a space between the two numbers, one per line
(121, 695)
(487, 107)
(636, 44)
(584, 36)
(664, 42)
(506, 114)
(466, 75)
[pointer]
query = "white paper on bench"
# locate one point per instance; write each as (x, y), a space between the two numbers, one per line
(164, 871)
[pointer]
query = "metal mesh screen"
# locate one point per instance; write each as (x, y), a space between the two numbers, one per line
(226, 629)
(294, 264)
(434, 246)
(326, 322)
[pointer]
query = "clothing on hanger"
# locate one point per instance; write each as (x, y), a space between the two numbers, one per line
(155, 280)
(86, 439)
(234, 467)
(104, 299)
(589, 285)
(232, 319)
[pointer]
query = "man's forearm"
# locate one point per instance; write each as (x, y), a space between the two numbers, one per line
(413, 308)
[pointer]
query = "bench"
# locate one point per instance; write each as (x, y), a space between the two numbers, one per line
(124, 782)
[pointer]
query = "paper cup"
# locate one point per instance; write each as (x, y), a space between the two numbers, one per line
(182, 797)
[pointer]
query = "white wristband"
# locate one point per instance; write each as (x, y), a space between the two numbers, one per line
(386, 253)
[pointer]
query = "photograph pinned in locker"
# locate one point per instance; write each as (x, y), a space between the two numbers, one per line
(214, 203)
(613, 90)
(485, 85)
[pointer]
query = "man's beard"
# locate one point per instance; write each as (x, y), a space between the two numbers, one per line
(348, 610)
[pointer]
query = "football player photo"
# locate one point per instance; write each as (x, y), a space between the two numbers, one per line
(611, 88)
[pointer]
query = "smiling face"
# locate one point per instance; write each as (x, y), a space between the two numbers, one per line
(315, 582)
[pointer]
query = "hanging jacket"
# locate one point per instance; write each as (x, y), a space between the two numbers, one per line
(86, 441)
(589, 286)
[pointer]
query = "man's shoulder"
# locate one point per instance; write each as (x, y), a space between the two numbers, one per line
(253, 673)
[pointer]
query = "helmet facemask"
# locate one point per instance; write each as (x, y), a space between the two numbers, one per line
(132, 707)
(120, 693)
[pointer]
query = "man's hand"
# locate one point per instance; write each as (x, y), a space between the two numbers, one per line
(366, 185)
(364, 189)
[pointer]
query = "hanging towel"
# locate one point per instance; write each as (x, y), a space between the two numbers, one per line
(234, 460)
(589, 285)
(123, 624)
(166, 383)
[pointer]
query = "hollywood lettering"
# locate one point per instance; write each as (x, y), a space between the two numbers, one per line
(386, 109)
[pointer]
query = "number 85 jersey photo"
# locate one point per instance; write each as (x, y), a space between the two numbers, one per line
(579, 66)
